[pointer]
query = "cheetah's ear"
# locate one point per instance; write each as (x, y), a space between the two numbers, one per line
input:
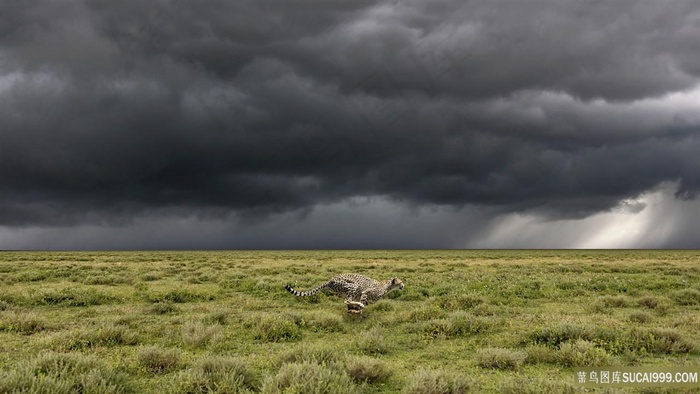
(393, 281)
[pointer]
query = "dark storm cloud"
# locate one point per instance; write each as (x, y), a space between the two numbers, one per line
(363, 223)
(110, 110)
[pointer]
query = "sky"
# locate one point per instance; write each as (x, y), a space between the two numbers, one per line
(264, 124)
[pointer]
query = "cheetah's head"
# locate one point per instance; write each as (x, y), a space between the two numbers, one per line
(396, 283)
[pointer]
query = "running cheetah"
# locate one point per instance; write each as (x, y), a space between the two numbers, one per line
(357, 289)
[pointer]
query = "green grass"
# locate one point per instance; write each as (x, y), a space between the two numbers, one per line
(221, 322)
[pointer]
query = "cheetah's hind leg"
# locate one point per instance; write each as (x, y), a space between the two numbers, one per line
(354, 306)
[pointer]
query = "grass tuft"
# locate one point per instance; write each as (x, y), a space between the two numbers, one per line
(640, 317)
(318, 353)
(459, 325)
(428, 381)
(463, 324)
(660, 305)
(500, 358)
(582, 353)
(158, 360)
(110, 280)
(63, 373)
(436, 328)
(325, 322)
(459, 302)
(426, 312)
(107, 336)
(537, 354)
(179, 296)
(196, 334)
(384, 306)
(649, 302)
(670, 341)
(214, 374)
(373, 343)
(522, 385)
(365, 369)
(71, 297)
(686, 297)
(218, 317)
(163, 308)
(305, 378)
(556, 335)
(606, 304)
(25, 323)
(277, 328)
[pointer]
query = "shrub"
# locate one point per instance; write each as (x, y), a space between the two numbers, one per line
(216, 375)
(308, 378)
(63, 373)
(158, 360)
(276, 329)
(366, 369)
(500, 358)
(426, 381)
(372, 342)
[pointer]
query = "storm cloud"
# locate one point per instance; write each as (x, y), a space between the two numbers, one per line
(237, 118)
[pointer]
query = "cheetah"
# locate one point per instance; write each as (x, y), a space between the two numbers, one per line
(357, 289)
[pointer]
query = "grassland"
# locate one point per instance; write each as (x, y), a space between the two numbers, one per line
(467, 321)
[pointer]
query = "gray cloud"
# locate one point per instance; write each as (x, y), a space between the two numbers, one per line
(246, 110)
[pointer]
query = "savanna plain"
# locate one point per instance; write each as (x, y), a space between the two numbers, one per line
(222, 322)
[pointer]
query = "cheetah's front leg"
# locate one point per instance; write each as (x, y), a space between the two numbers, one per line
(364, 298)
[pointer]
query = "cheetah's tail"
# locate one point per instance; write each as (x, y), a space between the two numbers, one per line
(305, 293)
